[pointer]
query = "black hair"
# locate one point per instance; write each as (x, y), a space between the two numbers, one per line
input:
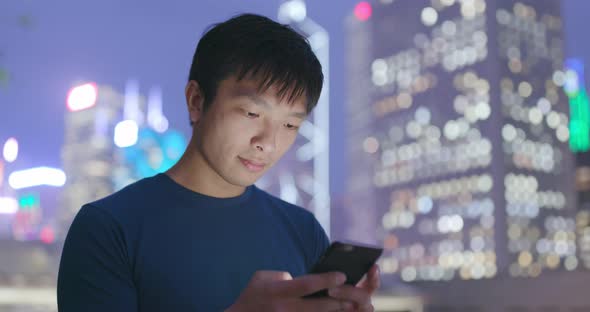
(254, 46)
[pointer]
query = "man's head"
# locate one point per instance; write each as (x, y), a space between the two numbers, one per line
(251, 84)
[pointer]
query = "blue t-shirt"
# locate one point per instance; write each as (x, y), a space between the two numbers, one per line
(157, 246)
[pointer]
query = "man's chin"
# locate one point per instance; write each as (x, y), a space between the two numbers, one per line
(244, 178)
(245, 182)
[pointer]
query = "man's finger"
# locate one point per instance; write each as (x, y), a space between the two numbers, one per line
(360, 296)
(362, 281)
(324, 304)
(374, 280)
(371, 280)
(272, 276)
(309, 284)
(366, 308)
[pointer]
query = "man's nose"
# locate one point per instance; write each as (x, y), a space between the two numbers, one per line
(266, 139)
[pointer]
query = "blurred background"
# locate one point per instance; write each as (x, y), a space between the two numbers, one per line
(455, 133)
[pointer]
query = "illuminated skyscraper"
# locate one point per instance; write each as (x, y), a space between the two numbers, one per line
(302, 175)
(458, 135)
(146, 145)
(575, 88)
(88, 150)
(583, 216)
(112, 140)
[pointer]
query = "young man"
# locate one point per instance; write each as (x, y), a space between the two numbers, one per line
(202, 237)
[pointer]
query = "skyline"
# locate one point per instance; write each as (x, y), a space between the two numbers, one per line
(45, 62)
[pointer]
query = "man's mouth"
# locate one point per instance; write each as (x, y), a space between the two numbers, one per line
(252, 165)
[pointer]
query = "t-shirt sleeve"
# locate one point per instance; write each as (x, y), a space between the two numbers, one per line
(94, 272)
(320, 240)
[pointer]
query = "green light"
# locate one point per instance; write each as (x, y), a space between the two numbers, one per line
(574, 87)
(579, 121)
(29, 201)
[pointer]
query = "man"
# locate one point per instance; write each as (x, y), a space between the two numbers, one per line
(202, 237)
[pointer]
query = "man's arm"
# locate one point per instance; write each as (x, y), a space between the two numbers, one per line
(94, 272)
(317, 240)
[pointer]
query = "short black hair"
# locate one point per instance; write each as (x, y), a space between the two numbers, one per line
(254, 46)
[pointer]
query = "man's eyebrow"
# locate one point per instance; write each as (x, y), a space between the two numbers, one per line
(260, 101)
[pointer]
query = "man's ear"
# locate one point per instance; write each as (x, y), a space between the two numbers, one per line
(195, 101)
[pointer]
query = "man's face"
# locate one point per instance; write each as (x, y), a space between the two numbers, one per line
(243, 133)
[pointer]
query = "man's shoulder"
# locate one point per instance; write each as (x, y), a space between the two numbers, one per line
(129, 198)
(305, 227)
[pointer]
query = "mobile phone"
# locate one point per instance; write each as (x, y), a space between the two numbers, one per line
(352, 259)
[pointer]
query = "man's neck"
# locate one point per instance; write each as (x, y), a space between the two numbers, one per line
(193, 172)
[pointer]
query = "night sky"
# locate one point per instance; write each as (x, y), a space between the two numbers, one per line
(111, 41)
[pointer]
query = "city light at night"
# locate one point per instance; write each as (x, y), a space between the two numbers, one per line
(126, 133)
(10, 150)
(579, 126)
(82, 97)
(37, 176)
(8, 205)
(363, 11)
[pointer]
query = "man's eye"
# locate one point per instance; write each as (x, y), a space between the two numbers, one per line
(252, 115)
(291, 126)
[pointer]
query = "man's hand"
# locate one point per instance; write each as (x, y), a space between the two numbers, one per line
(361, 294)
(278, 291)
